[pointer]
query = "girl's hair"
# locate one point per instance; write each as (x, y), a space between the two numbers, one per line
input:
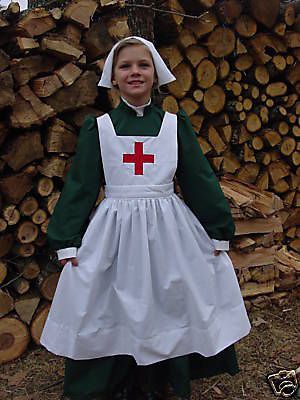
(126, 43)
(133, 42)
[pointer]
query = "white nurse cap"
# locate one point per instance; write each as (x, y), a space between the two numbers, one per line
(164, 75)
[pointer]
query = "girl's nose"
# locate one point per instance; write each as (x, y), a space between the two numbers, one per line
(135, 69)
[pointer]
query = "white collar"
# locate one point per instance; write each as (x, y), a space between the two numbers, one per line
(138, 109)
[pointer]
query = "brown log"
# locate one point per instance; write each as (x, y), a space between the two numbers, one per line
(54, 166)
(24, 250)
(186, 38)
(216, 141)
(44, 226)
(171, 55)
(279, 62)
(118, 28)
(272, 137)
(198, 95)
(206, 74)
(205, 146)
(39, 217)
(72, 33)
(6, 303)
(61, 138)
(278, 170)
(221, 42)
(170, 104)
(295, 157)
(214, 99)
(46, 86)
(14, 339)
(27, 232)
(248, 154)
(257, 143)
(262, 182)
(51, 201)
(265, 12)
(24, 149)
(11, 214)
(189, 105)
(253, 122)
(26, 306)
(21, 285)
(281, 186)
(262, 44)
(82, 93)
(47, 284)
(28, 110)
(27, 68)
(204, 25)
(38, 322)
(197, 122)
(184, 80)
(6, 86)
(249, 172)
(288, 146)
(3, 271)
(230, 163)
(295, 245)
(245, 26)
(280, 29)
(243, 62)
(195, 54)
(28, 206)
(223, 69)
(45, 187)
(80, 12)
(229, 10)
(167, 26)
(97, 41)
(15, 187)
(36, 22)
(25, 45)
(283, 128)
(29, 268)
(60, 48)
(276, 89)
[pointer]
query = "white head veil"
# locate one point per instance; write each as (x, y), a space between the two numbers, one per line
(164, 75)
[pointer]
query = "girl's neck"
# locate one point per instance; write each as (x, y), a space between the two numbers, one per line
(139, 109)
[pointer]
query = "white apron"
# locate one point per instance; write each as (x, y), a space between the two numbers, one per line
(148, 283)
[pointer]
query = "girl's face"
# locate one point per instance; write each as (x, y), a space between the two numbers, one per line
(134, 74)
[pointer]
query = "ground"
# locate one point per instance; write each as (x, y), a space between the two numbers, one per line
(272, 345)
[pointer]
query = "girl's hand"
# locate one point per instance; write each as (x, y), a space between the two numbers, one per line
(217, 252)
(73, 260)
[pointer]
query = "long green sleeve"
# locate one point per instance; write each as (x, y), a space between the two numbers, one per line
(200, 186)
(80, 191)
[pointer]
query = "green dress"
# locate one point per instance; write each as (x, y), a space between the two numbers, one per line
(201, 191)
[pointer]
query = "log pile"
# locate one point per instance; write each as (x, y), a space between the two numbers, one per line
(238, 78)
(237, 71)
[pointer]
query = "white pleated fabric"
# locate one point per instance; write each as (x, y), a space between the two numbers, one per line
(148, 283)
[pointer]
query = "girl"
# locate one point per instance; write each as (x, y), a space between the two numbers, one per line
(151, 292)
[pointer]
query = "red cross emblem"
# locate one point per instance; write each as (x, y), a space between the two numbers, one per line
(138, 158)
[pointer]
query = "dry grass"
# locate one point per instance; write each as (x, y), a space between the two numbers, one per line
(273, 344)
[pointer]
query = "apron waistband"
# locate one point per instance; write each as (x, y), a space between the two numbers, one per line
(139, 191)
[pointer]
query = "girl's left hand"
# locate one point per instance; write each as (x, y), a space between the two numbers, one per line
(217, 252)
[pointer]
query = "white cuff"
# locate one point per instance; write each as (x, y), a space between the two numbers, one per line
(69, 252)
(222, 245)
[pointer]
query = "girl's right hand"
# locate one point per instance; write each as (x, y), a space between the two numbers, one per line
(73, 260)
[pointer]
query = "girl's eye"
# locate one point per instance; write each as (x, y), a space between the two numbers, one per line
(124, 66)
(145, 65)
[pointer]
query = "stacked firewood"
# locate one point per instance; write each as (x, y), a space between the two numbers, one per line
(262, 264)
(237, 71)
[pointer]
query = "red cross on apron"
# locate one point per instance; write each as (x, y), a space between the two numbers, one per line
(138, 158)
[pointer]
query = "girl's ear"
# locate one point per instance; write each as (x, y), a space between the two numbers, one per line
(114, 82)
